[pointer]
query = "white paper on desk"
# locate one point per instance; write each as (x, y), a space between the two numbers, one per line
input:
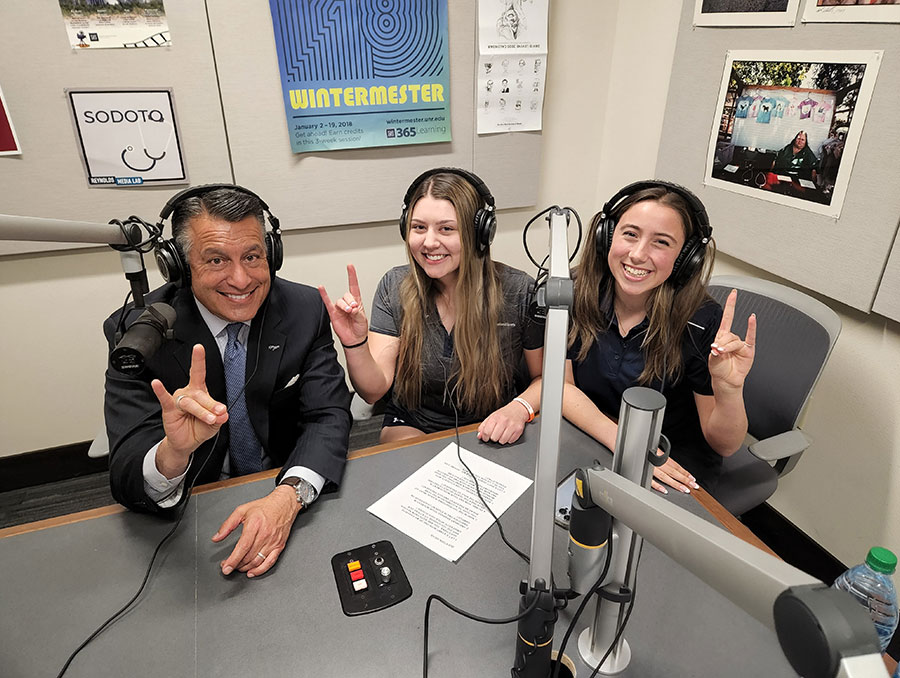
(438, 507)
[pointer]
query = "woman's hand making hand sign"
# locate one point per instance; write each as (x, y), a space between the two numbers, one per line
(371, 358)
(347, 315)
(730, 357)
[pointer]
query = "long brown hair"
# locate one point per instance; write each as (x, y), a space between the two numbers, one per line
(668, 308)
(482, 378)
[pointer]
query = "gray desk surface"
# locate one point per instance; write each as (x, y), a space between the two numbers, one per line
(60, 583)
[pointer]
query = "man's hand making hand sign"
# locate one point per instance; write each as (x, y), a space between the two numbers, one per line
(190, 417)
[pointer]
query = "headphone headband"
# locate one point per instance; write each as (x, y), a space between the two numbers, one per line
(698, 211)
(203, 189)
(481, 188)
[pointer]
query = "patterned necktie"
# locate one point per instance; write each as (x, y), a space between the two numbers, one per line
(244, 447)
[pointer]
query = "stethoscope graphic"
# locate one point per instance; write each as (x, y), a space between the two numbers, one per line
(128, 149)
(155, 159)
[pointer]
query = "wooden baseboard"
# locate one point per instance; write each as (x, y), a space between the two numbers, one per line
(47, 466)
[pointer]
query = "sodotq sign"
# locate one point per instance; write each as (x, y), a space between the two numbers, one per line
(128, 137)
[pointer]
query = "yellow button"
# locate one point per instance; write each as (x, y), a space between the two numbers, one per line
(352, 567)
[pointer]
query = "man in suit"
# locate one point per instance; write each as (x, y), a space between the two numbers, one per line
(249, 381)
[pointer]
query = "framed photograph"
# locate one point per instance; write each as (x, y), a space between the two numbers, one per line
(852, 11)
(128, 137)
(745, 12)
(787, 125)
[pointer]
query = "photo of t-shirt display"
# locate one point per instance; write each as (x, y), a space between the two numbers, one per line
(781, 105)
(743, 105)
(822, 112)
(765, 110)
(793, 108)
(807, 106)
(754, 107)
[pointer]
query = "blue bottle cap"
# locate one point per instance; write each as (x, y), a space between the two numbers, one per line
(881, 560)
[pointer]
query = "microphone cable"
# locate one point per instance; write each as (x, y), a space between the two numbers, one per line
(188, 488)
(434, 596)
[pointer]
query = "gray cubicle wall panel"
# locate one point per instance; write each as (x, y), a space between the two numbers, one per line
(350, 186)
(840, 258)
(887, 301)
(37, 65)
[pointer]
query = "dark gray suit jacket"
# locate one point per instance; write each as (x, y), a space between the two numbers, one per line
(306, 423)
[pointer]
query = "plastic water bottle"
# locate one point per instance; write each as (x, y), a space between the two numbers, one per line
(870, 583)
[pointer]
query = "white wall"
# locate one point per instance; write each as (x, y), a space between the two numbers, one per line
(608, 78)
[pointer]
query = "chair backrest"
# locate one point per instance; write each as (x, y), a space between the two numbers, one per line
(795, 336)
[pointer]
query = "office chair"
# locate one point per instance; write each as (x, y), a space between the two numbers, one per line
(795, 337)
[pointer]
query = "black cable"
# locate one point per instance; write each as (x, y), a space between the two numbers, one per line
(120, 326)
(585, 600)
(143, 246)
(621, 628)
(467, 615)
(186, 493)
(537, 216)
(477, 486)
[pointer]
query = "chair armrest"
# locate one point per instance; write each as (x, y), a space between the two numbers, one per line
(783, 445)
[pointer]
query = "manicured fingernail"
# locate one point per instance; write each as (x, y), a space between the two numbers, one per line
(714, 352)
(687, 490)
(695, 486)
(665, 491)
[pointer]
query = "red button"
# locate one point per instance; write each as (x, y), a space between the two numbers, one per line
(358, 574)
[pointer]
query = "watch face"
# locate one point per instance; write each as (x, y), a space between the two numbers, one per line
(305, 491)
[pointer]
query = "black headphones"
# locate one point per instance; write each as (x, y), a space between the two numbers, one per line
(171, 261)
(485, 220)
(690, 259)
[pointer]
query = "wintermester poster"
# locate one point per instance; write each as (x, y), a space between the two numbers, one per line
(363, 73)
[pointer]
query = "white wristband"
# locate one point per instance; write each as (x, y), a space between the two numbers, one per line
(524, 403)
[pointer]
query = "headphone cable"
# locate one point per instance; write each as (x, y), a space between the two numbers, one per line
(187, 493)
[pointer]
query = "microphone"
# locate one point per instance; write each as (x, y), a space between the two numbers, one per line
(143, 339)
(588, 534)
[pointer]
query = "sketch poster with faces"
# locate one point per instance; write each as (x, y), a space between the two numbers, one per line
(512, 64)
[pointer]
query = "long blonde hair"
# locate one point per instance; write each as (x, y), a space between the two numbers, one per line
(481, 376)
(668, 308)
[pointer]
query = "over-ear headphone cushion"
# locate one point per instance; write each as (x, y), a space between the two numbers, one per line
(171, 263)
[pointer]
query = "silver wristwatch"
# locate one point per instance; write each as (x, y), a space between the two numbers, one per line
(306, 493)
